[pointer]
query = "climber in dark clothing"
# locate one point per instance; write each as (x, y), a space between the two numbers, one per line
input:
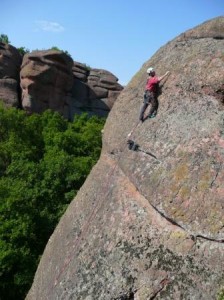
(151, 94)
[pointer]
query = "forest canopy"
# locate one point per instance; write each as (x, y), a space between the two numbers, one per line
(44, 160)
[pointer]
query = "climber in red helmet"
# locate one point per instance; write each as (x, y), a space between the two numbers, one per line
(151, 94)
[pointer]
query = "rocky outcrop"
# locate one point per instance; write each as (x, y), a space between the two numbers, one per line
(49, 79)
(46, 81)
(94, 90)
(10, 61)
(153, 228)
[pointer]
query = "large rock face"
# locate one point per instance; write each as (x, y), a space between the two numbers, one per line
(10, 61)
(46, 81)
(151, 225)
(51, 80)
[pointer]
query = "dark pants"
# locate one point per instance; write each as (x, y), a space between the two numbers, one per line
(149, 97)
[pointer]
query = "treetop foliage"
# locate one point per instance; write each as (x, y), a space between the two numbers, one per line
(4, 39)
(44, 160)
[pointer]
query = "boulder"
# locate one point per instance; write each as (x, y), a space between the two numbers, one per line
(154, 226)
(46, 81)
(10, 61)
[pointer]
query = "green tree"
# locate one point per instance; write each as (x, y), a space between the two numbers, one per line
(23, 50)
(57, 49)
(4, 39)
(34, 152)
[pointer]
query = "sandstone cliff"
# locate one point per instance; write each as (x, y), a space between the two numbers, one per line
(50, 79)
(151, 225)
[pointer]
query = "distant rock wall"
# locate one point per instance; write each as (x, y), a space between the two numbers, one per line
(49, 79)
(10, 61)
(94, 90)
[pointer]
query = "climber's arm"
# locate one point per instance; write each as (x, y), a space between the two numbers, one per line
(162, 77)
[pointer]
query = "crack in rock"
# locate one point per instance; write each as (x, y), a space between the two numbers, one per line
(192, 236)
(216, 175)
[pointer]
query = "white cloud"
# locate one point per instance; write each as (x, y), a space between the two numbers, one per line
(49, 26)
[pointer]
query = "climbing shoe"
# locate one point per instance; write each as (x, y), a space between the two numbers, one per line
(153, 115)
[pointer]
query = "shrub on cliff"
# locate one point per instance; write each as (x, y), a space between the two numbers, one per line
(44, 160)
(4, 39)
(57, 49)
(23, 50)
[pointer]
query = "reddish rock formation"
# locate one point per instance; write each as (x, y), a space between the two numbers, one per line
(10, 61)
(151, 225)
(46, 81)
(51, 80)
(94, 91)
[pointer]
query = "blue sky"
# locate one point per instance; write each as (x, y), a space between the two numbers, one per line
(118, 35)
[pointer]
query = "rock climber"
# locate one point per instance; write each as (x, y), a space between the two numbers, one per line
(151, 93)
